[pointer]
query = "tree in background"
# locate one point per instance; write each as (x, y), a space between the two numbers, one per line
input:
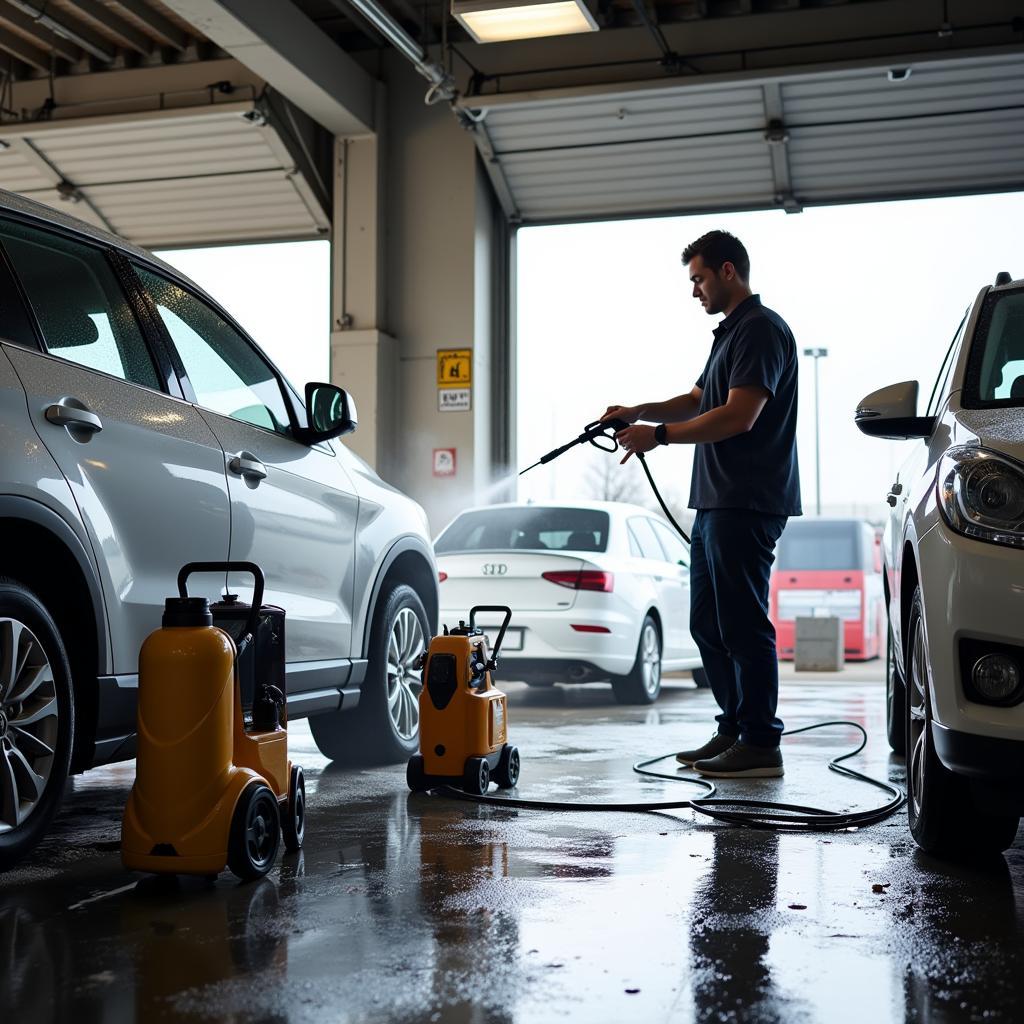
(606, 480)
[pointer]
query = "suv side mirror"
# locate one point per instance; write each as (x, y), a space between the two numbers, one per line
(330, 412)
(892, 413)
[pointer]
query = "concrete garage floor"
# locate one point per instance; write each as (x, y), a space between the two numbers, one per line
(418, 909)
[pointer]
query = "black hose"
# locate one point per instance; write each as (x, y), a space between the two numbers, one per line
(759, 814)
(661, 501)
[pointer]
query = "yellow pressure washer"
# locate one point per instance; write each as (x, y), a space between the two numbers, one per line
(214, 786)
(463, 717)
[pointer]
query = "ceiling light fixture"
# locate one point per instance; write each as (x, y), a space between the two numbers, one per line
(495, 21)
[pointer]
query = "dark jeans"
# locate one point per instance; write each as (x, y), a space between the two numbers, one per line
(731, 556)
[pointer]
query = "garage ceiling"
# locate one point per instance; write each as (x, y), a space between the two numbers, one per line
(953, 126)
(167, 178)
(126, 115)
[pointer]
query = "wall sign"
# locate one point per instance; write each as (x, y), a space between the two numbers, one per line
(444, 462)
(454, 367)
(454, 399)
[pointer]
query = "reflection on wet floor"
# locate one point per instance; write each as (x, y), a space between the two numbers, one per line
(418, 909)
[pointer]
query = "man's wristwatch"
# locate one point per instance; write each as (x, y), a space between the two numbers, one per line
(661, 434)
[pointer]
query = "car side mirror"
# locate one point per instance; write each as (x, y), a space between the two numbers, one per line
(330, 412)
(892, 413)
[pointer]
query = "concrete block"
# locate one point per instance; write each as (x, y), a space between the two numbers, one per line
(819, 644)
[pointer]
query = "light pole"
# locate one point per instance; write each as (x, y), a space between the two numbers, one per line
(817, 353)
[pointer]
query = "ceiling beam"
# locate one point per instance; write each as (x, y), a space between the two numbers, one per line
(276, 41)
(126, 32)
(10, 15)
(20, 47)
(68, 28)
(163, 28)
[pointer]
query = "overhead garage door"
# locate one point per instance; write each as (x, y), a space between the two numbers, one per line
(949, 127)
(167, 178)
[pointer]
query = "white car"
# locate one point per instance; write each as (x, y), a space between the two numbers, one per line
(598, 590)
(954, 581)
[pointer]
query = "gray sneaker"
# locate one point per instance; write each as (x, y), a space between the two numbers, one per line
(743, 762)
(716, 745)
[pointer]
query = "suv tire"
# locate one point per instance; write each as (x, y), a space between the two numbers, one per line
(895, 699)
(37, 720)
(384, 727)
(944, 819)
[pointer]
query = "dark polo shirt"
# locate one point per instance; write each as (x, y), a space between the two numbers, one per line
(756, 470)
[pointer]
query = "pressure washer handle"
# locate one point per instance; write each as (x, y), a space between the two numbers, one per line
(501, 633)
(250, 567)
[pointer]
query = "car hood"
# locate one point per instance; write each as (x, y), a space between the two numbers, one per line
(1000, 429)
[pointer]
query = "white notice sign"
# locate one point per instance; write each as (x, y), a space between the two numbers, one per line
(454, 399)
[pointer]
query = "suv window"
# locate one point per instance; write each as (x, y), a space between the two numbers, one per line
(227, 374)
(644, 533)
(78, 301)
(675, 549)
(995, 373)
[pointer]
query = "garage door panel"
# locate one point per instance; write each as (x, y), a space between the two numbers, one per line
(825, 136)
(681, 157)
(939, 87)
(169, 177)
(901, 158)
(615, 179)
(626, 117)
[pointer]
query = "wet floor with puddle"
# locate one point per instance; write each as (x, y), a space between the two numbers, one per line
(421, 909)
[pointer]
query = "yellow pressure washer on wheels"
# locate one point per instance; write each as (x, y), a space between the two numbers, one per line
(463, 718)
(214, 786)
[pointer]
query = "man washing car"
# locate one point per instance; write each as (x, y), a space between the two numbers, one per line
(741, 418)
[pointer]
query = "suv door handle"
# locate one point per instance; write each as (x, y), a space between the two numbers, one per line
(245, 464)
(71, 413)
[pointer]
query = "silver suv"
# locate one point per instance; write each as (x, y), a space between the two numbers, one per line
(142, 429)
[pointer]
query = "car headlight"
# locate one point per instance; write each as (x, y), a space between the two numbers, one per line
(981, 494)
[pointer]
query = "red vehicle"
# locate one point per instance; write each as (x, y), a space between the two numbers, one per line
(830, 567)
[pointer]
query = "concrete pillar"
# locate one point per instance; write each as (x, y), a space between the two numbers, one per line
(415, 271)
(363, 355)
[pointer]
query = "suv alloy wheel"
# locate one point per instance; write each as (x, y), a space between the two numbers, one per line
(36, 720)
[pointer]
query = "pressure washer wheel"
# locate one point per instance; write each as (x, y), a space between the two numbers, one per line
(294, 824)
(255, 833)
(476, 779)
(415, 776)
(506, 775)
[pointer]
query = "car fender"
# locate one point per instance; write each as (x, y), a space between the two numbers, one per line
(14, 506)
(364, 615)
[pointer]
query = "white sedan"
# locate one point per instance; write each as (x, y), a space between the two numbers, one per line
(598, 590)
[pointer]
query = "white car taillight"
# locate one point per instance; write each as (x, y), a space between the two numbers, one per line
(981, 494)
(583, 579)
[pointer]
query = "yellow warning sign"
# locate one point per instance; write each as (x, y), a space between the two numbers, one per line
(454, 367)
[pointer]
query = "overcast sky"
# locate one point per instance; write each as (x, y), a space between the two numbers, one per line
(605, 316)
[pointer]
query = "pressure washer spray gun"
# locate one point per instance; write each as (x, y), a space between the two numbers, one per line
(606, 431)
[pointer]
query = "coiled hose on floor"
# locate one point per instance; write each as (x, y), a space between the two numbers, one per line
(758, 814)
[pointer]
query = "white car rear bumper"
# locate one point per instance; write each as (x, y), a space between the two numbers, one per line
(549, 639)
